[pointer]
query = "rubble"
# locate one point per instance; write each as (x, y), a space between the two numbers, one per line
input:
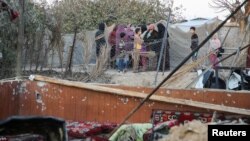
(191, 131)
(196, 130)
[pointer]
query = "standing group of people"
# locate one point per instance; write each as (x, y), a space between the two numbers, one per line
(130, 45)
(214, 47)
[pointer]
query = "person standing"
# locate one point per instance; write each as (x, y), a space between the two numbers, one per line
(194, 42)
(112, 43)
(122, 61)
(151, 38)
(137, 48)
(100, 39)
(215, 44)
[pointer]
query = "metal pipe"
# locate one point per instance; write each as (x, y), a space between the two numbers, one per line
(224, 40)
(217, 78)
(163, 46)
(219, 67)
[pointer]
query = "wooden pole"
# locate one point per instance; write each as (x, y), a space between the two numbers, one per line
(20, 40)
(71, 54)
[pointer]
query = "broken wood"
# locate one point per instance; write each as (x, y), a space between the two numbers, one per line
(68, 68)
(158, 98)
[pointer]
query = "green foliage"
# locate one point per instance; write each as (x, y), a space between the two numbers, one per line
(86, 14)
(34, 21)
(50, 21)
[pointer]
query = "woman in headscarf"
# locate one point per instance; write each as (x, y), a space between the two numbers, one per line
(161, 34)
(100, 39)
(150, 38)
(112, 42)
(214, 46)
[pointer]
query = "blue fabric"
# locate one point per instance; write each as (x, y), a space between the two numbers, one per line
(121, 64)
(125, 64)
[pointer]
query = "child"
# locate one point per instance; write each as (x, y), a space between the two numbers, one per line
(122, 58)
(137, 48)
(194, 42)
(215, 44)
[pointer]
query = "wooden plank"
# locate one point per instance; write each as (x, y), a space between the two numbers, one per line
(101, 108)
(141, 95)
(107, 109)
(73, 105)
(9, 99)
(68, 104)
(80, 105)
(94, 106)
(113, 108)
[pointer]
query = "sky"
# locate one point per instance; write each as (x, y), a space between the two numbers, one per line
(196, 8)
(199, 8)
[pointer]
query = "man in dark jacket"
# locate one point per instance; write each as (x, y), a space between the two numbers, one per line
(194, 42)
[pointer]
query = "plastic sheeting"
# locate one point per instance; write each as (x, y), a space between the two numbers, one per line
(180, 38)
(133, 132)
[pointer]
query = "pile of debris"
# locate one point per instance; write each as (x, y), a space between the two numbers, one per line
(196, 130)
(191, 131)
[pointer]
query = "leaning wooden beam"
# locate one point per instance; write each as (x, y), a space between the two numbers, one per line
(120, 92)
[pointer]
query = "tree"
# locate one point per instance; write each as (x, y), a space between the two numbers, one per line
(230, 5)
(24, 42)
(20, 39)
(79, 15)
(41, 26)
(86, 14)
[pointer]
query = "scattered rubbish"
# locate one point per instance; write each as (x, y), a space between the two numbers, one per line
(191, 131)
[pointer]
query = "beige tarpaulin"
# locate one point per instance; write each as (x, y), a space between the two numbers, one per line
(180, 38)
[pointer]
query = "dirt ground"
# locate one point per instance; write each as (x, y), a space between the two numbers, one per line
(146, 79)
(111, 76)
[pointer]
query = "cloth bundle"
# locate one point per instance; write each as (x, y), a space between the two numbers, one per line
(89, 129)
